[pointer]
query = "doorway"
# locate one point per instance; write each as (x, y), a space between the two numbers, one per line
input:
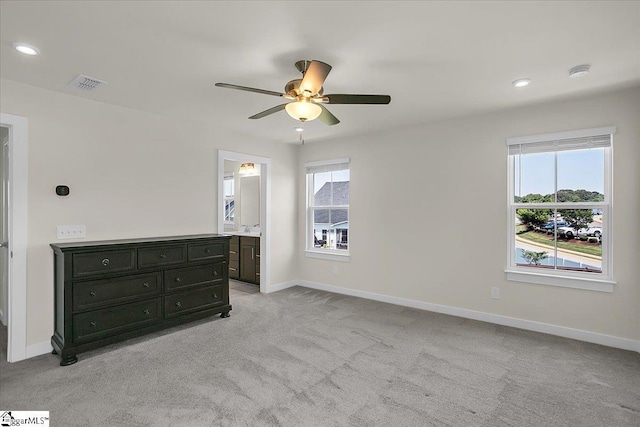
(264, 163)
(13, 251)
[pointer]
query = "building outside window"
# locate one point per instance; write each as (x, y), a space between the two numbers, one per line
(328, 206)
(560, 208)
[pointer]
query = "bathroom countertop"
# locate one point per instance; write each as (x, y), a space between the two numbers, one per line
(243, 233)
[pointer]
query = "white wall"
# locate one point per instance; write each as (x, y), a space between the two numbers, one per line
(448, 241)
(4, 138)
(134, 174)
(131, 174)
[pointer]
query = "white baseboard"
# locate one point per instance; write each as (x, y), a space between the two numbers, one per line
(34, 350)
(2, 319)
(281, 286)
(561, 331)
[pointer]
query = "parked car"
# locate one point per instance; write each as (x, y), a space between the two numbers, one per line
(551, 224)
(567, 232)
(595, 231)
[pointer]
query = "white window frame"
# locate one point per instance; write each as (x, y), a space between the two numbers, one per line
(227, 198)
(310, 169)
(602, 282)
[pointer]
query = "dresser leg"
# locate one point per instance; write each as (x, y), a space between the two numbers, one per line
(69, 360)
(225, 314)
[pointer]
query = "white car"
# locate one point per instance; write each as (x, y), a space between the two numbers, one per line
(591, 231)
(567, 232)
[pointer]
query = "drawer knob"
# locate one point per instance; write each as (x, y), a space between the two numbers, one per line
(178, 304)
(215, 296)
(145, 284)
(178, 279)
(163, 256)
(215, 272)
(105, 262)
(93, 324)
(207, 251)
(93, 294)
(146, 311)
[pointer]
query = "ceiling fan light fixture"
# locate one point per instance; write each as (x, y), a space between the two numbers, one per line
(303, 110)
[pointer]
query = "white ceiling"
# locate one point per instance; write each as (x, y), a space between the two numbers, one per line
(437, 60)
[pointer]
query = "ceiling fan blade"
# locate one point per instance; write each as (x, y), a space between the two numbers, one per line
(249, 89)
(358, 99)
(327, 118)
(314, 77)
(268, 112)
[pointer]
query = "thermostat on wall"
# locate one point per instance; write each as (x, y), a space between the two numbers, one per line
(62, 190)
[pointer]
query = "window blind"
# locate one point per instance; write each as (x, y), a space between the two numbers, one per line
(327, 165)
(562, 141)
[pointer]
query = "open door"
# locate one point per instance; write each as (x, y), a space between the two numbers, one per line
(264, 163)
(14, 235)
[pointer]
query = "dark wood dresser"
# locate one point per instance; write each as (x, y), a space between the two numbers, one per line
(111, 291)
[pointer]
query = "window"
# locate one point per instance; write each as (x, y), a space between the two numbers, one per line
(328, 209)
(560, 209)
(229, 199)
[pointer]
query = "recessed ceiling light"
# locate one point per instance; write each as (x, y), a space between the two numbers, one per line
(298, 129)
(579, 70)
(27, 49)
(521, 82)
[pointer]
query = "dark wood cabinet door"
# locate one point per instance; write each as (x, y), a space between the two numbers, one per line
(248, 259)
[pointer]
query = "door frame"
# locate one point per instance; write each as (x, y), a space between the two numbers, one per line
(17, 237)
(265, 207)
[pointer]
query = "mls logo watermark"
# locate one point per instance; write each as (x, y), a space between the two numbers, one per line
(24, 418)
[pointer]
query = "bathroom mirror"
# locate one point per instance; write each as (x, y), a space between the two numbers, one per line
(241, 198)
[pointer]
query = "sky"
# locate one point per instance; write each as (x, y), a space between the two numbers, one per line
(577, 170)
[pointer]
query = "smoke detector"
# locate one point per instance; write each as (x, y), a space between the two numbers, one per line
(88, 84)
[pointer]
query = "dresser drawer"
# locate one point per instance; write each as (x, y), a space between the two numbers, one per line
(161, 256)
(205, 251)
(94, 263)
(97, 293)
(113, 320)
(186, 302)
(194, 276)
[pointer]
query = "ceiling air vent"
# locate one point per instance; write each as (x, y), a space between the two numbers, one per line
(85, 83)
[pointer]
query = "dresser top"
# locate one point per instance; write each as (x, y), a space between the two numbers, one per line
(164, 239)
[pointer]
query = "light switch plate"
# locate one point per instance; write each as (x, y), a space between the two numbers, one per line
(72, 231)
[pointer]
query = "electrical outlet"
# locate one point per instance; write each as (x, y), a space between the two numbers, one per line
(336, 270)
(72, 231)
(495, 293)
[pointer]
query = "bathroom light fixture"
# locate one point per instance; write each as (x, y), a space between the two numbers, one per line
(579, 71)
(521, 82)
(247, 169)
(27, 49)
(303, 110)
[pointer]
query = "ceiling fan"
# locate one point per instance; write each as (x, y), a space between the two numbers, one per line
(307, 95)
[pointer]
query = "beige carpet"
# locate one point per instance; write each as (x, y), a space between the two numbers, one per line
(301, 357)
